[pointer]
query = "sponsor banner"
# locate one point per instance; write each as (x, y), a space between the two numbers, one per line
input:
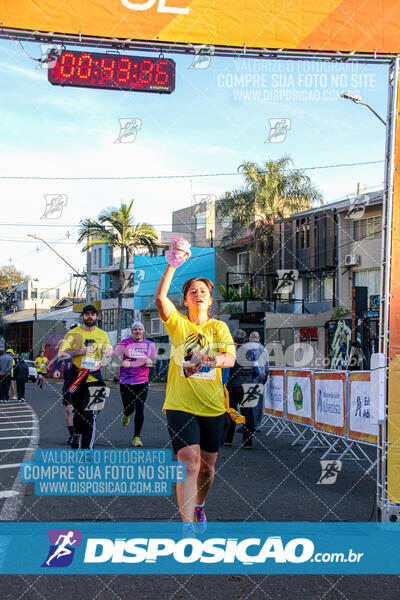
(299, 399)
(361, 410)
(300, 24)
(329, 402)
(275, 393)
(69, 548)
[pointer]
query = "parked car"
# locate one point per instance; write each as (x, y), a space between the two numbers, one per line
(32, 371)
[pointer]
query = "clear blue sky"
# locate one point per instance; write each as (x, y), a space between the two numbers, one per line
(216, 118)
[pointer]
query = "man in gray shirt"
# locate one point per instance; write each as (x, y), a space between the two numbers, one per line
(5, 376)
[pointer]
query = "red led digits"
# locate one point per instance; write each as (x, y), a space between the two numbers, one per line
(67, 66)
(146, 71)
(161, 76)
(84, 69)
(113, 72)
(124, 70)
(107, 71)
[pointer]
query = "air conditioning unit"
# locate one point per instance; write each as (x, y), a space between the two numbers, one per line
(351, 260)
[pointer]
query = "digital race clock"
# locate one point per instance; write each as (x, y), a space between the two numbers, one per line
(112, 71)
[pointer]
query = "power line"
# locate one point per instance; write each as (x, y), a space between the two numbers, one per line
(192, 176)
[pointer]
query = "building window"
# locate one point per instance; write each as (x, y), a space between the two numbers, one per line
(312, 293)
(201, 220)
(327, 287)
(302, 233)
(370, 228)
(50, 294)
(157, 327)
(127, 318)
(242, 262)
(226, 222)
(370, 278)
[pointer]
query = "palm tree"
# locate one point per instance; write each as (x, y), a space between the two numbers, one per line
(115, 227)
(271, 192)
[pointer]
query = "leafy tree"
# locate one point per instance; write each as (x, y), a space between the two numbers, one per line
(271, 192)
(9, 279)
(116, 227)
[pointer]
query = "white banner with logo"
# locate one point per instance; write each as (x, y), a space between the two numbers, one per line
(361, 408)
(275, 393)
(299, 396)
(329, 401)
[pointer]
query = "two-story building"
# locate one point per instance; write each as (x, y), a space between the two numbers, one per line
(336, 251)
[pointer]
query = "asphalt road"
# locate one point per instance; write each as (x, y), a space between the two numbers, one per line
(273, 482)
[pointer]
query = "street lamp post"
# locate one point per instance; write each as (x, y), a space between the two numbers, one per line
(357, 100)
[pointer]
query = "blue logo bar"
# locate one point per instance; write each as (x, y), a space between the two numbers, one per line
(155, 548)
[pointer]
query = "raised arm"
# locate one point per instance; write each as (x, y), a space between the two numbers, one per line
(163, 303)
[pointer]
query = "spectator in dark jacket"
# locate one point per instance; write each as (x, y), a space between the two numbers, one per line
(21, 373)
(245, 385)
(6, 362)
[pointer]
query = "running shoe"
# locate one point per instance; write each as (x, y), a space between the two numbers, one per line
(75, 441)
(189, 531)
(14, 397)
(125, 420)
(136, 442)
(199, 518)
(69, 440)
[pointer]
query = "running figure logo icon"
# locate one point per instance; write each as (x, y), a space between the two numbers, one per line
(202, 58)
(278, 130)
(55, 204)
(128, 129)
(329, 471)
(62, 547)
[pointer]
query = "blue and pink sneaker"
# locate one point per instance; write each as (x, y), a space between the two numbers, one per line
(200, 519)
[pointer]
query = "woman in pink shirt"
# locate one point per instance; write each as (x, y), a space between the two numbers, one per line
(137, 355)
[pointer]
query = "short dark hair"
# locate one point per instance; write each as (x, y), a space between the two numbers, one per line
(188, 283)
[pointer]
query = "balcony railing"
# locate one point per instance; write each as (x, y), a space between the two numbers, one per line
(148, 302)
(251, 306)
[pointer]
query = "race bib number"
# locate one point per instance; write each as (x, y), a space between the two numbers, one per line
(137, 352)
(203, 373)
(252, 392)
(91, 364)
(97, 397)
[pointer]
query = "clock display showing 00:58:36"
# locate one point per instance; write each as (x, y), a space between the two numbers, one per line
(112, 72)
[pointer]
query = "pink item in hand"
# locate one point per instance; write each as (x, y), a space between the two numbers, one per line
(178, 253)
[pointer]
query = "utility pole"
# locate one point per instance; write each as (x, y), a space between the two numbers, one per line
(88, 270)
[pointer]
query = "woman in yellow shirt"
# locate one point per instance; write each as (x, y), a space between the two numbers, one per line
(41, 367)
(194, 404)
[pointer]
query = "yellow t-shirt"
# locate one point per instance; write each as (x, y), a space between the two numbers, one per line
(40, 364)
(202, 393)
(75, 339)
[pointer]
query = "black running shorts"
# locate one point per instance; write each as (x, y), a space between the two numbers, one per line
(186, 429)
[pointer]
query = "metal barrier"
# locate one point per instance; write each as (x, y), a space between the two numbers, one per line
(327, 410)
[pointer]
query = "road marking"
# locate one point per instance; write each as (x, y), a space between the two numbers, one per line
(15, 437)
(9, 422)
(13, 505)
(8, 494)
(10, 466)
(14, 449)
(16, 429)
(16, 414)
